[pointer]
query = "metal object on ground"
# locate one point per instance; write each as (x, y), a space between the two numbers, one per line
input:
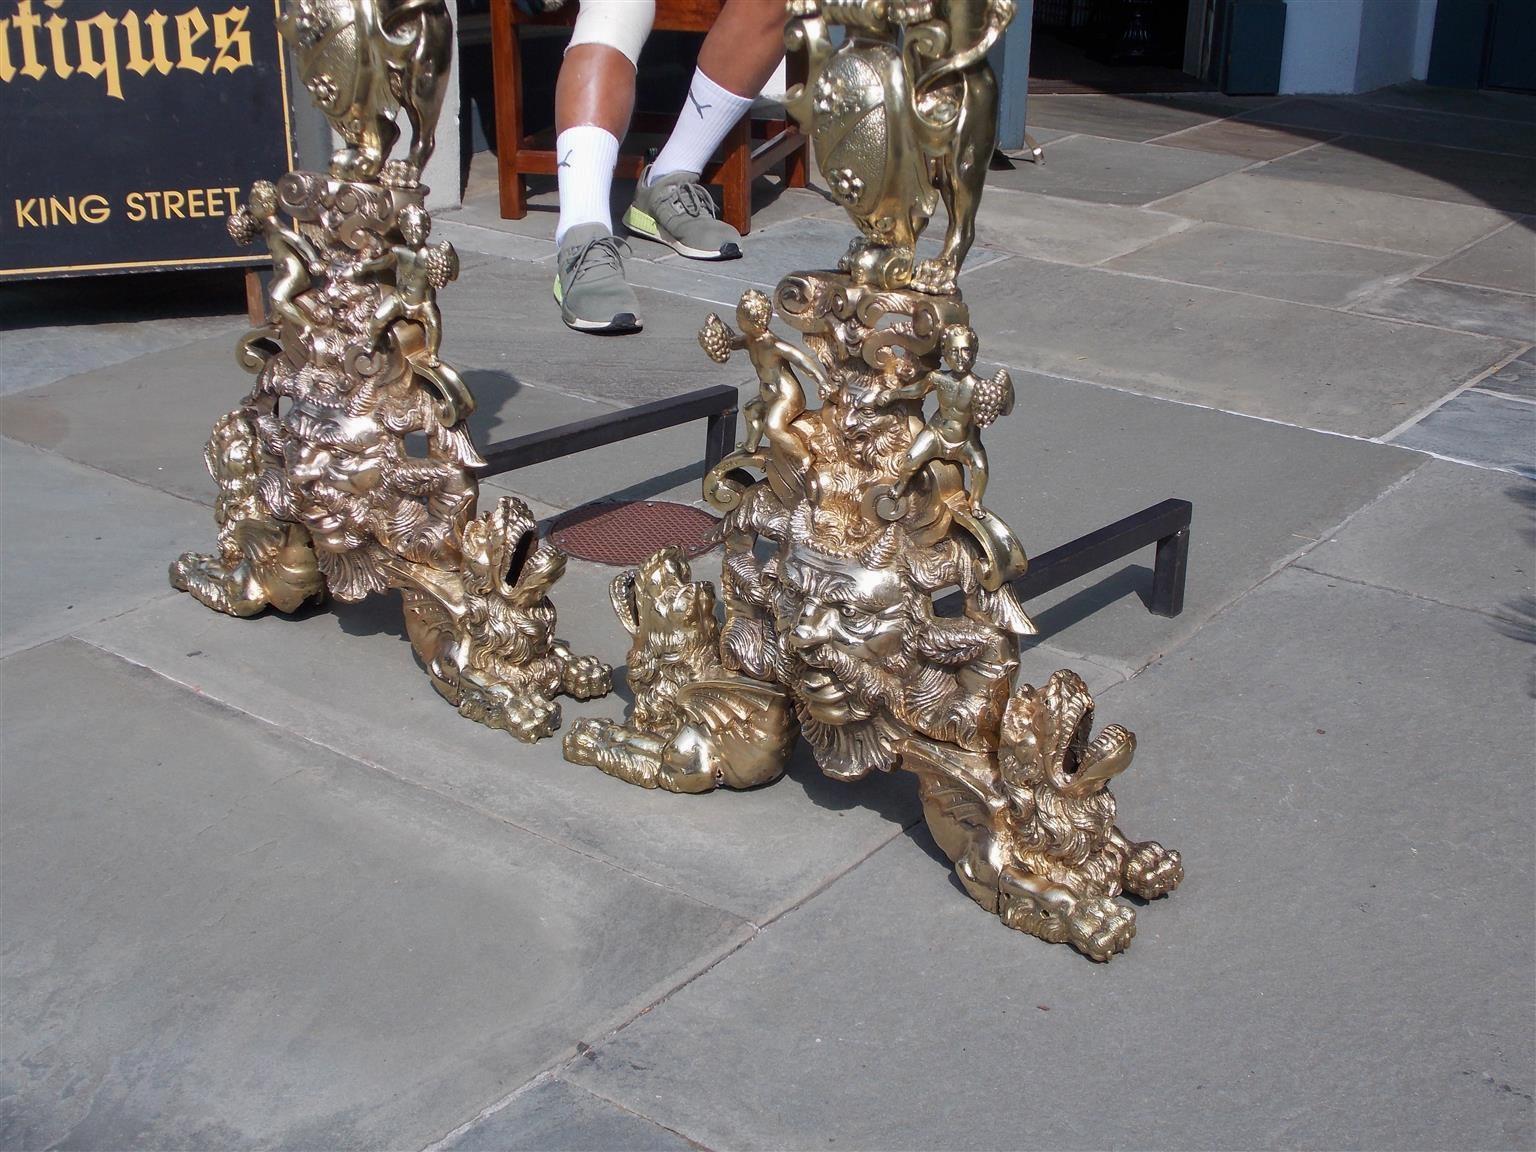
(349, 468)
(716, 405)
(628, 531)
(844, 522)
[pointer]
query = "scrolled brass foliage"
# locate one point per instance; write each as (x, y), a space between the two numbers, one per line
(845, 520)
(348, 469)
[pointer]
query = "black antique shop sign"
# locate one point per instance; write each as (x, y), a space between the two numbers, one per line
(129, 128)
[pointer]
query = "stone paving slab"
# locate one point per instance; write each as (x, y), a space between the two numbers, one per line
(1507, 259)
(752, 853)
(813, 242)
(771, 204)
(502, 316)
(147, 420)
(1347, 964)
(555, 1115)
(35, 356)
(1450, 533)
(1137, 118)
(1464, 307)
(1300, 364)
(1517, 378)
(1362, 118)
(1072, 459)
(1240, 138)
(1371, 217)
(1488, 102)
(221, 935)
(1069, 232)
(1405, 168)
(80, 546)
(1115, 171)
(1479, 428)
(1264, 264)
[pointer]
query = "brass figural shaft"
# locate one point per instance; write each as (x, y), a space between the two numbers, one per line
(347, 470)
(843, 522)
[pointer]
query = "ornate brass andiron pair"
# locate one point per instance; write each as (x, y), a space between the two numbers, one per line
(347, 469)
(843, 522)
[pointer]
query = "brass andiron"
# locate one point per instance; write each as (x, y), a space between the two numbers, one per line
(348, 468)
(843, 522)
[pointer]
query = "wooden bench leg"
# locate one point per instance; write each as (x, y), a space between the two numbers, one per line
(736, 177)
(256, 281)
(797, 167)
(507, 69)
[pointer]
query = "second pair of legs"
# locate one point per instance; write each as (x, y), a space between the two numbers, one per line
(594, 101)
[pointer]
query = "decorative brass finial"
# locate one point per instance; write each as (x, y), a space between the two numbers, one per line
(348, 469)
(844, 522)
(360, 60)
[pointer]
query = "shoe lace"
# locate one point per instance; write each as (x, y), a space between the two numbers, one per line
(601, 252)
(693, 199)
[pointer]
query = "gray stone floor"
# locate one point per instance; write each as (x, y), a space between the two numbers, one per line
(260, 887)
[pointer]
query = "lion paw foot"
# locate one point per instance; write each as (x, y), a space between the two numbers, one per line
(212, 584)
(587, 741)
(527, 717)
(1152, 870)
(586, 678)
(1101, 928)
(1096, 926)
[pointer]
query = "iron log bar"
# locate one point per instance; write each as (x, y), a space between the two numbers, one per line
(717, 403)
(1165, 524)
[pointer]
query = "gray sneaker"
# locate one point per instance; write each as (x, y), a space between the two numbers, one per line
(679, 211)
(590, 285)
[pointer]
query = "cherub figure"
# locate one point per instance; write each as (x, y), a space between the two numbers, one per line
(294, 259)
(419, 272)
(781, 397)
(967, 404)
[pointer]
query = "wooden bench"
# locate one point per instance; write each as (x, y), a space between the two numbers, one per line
(741, 161)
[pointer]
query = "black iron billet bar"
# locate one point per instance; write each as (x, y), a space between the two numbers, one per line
(1168, 574)
(719, 437)
(717, 402)
(1165, 524)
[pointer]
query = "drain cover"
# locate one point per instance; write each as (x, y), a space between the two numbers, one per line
(626, 532)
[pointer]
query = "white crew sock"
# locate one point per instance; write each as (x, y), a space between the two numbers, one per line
(707, 115)
(586, 155)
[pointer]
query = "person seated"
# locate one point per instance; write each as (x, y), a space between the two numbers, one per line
(594, 98)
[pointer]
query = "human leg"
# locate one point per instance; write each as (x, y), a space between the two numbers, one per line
(594, 99)
(741, 51)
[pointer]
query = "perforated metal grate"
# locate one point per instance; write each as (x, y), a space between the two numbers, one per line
(626, 532)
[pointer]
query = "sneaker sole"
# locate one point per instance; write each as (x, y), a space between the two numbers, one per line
(643, 224)
(621, 322)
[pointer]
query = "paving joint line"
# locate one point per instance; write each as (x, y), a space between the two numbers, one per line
(1469, 284)
(1504, 395)
(1336, 310)
(1419, 596)
(415, 785)
(1399, 140)
(1288, 560)
(156, 598)
(1126, 390)
(1497, 366)
(755, 930)
(135, 481)
(632, 1112)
